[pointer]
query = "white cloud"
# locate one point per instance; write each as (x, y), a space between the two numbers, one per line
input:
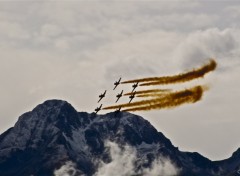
(62, 44)
(122, 164)
(50, 30)
(211, 43)
(68, 169)
(233, 11)
(161, 167)
(13, 30)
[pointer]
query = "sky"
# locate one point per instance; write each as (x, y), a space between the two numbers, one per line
(74, 50)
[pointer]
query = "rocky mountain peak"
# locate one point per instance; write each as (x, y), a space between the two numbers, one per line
(54, 132)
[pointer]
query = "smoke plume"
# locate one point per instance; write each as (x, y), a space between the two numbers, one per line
(148, 91)
(179, 78)
(167, 100)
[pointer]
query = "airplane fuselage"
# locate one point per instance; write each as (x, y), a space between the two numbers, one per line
(119, 95)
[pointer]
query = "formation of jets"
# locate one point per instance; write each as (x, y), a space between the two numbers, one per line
(101, 96)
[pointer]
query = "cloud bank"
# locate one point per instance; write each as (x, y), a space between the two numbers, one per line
(122, 164)
(123, 160)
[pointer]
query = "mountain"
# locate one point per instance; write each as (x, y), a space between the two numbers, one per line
(54, 133)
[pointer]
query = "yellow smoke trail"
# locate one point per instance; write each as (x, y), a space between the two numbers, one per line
(192, 93)
(152, 95)
(175, 100)
(148, 91)
(137, 103)
(183, 77)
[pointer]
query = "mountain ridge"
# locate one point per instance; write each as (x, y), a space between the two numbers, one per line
(43, 139)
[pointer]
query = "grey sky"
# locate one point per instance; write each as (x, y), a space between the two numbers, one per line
(75, 50)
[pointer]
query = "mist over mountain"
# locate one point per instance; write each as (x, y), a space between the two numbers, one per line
(55, 139)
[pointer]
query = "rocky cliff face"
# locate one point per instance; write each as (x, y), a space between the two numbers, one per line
(54, 133)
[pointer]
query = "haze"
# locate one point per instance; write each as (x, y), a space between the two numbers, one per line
(74, 50)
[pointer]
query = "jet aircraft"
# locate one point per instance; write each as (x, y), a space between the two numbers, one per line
(132, 96)
(134, 86)
(98, 108)
(101, 96)
(119, 96)
(118, 110)
(117, 83)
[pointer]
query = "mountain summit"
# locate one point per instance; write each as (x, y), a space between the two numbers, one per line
(54, 133)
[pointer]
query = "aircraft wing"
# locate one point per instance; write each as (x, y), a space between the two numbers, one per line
(100, 99)
(115, 87)
(117, 99)
(130, 100)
